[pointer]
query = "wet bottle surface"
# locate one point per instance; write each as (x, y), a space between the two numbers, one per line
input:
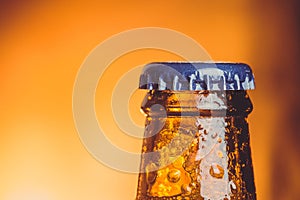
(196, 145)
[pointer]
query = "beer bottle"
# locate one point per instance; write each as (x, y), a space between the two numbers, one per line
(196, 140)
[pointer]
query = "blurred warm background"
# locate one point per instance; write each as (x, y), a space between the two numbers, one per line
(43, 44)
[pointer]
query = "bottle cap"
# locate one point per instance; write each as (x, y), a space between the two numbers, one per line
(181, 76)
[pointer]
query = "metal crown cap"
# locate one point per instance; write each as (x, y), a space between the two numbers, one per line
(181, 76)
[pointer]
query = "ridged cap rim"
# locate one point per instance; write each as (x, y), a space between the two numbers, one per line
(180, 76)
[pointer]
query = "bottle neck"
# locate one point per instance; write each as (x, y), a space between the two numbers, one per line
(197, 103)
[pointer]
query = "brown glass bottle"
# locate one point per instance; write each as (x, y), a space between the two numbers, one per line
(196, 146)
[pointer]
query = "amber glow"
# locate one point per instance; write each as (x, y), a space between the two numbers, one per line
(196, 157)
(44, 43)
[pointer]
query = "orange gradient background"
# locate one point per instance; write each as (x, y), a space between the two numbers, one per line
(43, 44)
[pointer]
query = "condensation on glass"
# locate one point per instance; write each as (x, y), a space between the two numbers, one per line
(196, 140)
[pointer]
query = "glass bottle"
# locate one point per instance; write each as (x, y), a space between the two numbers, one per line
(196, 140)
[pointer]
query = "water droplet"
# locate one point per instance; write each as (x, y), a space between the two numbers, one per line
(151, 167)
(169, 136)
(214, 135)
(174, 175)
(219, 140)
(186, 189)
(220, 154)
(200, 127)
(233, 187)
(231, 156)
(194, 148)
(164, 149)
(193, 185)
(151, 176)
(173, 151)
(198, 178)
(216, 171)
(144, 148)
(176, 141)
(193, 175)
(188, 166)
(151, 173)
